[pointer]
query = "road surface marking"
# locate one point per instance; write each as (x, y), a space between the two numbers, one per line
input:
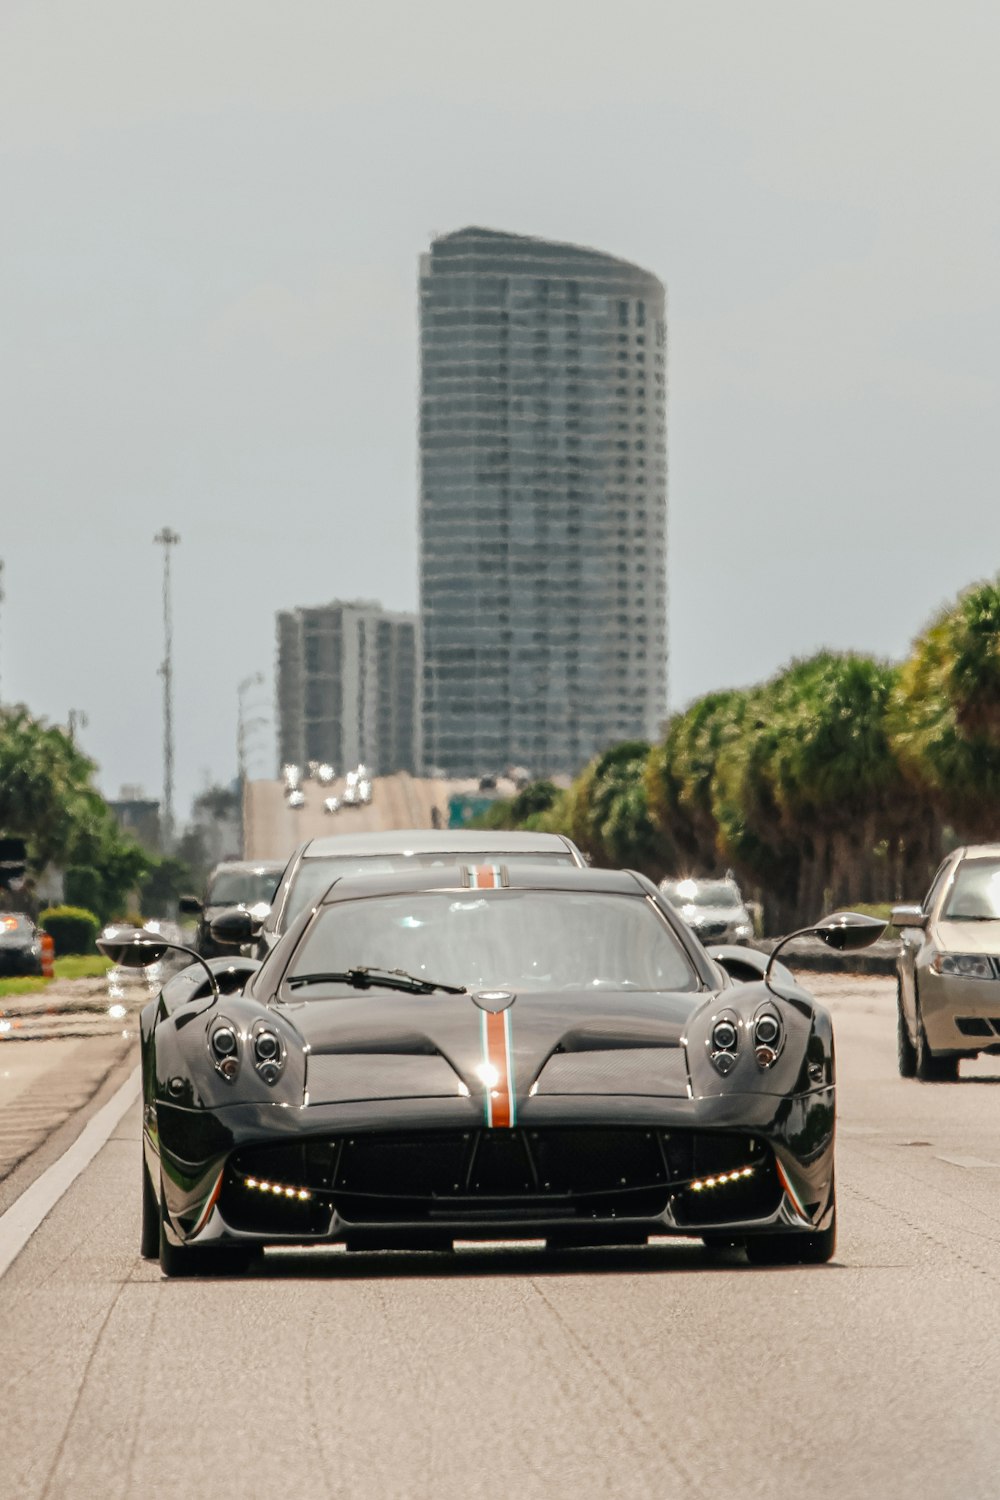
(23, 1217)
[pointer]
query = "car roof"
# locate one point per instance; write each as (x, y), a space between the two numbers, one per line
(978, 851)
(437, 841)
(251, 866)
(538, 878)
(247, 864)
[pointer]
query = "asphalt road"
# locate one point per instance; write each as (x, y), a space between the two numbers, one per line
(659, 1372)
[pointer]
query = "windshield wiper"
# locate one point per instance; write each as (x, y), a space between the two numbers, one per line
(364, 977)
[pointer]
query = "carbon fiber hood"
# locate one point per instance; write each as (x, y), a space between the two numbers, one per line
(378, 1045)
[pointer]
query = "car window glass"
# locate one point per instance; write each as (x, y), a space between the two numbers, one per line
(975, 894)
(709, 893)
(513, 939)
(241, 887)
(314, 877)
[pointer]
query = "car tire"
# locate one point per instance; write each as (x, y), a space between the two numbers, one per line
(202, 1260)
(720, 1243)
(149, 1236)
(932, 1068)
(796, 1249)
(906, 1053)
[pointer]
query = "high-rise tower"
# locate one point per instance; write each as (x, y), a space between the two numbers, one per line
(542, 505)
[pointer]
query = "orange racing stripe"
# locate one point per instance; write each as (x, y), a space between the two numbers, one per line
(501, 1109)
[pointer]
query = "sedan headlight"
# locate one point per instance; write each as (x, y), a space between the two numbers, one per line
(964, 965)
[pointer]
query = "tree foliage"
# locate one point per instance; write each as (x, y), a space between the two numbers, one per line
(831, 783)
(48, 798)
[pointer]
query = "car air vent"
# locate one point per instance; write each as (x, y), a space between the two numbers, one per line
(340, 1078)
(624, 1070)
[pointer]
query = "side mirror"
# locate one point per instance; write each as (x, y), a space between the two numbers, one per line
(234, 927)
(847, 931)
(908, 916)
(133, 947)
(190, 906)
(138, 947)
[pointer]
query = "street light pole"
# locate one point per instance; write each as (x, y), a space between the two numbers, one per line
(166, 539)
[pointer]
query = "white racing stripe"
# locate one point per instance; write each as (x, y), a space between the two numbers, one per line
(23, 1217)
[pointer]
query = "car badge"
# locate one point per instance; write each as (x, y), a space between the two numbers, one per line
(494, 1001)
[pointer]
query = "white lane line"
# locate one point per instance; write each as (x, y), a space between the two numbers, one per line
(970, 1163)
(23, 1217)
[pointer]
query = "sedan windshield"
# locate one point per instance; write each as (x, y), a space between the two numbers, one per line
(975, 895)
(242, 887)
(682, 893)
(314, 877)
(509, 939)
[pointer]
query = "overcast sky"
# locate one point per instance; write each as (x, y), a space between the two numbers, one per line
(212, 214)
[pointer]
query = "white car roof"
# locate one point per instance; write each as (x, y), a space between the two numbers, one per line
(439, 841)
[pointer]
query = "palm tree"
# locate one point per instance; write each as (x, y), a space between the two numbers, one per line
(944, 725)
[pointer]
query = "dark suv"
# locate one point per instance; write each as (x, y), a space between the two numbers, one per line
(247, 883)
(20, 945)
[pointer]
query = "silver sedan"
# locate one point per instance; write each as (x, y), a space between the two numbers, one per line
(949, 967)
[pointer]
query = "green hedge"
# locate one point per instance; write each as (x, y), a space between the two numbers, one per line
(73, 929)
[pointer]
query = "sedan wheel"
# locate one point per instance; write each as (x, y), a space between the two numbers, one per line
(906, 1053)
(929, 1067)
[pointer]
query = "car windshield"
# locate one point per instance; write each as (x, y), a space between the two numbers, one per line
(975, 895)
(702, 893)
(314, 877)
(242, 887)
(507, 939)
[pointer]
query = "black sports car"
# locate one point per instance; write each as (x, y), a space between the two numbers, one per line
(455, 1055)
(235, 882)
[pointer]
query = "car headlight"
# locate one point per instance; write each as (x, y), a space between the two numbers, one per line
(724, 1041)
(224, 1046)
(768, 1036)
(742, 930)
(268, 1052)
(964, 965)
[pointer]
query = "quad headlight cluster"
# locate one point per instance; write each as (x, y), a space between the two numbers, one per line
(227, 1047)
(764, 1033)
(767, 1037)
(724, 1043)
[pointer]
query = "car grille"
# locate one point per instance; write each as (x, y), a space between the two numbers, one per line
(498, 1176)
(984, 1026)
(712, 929)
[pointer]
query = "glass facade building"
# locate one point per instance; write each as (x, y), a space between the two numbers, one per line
(346, 687)
(542, 503)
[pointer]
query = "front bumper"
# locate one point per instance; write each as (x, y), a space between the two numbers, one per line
(582, 1170)
(19, 961)
(959, 1015)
